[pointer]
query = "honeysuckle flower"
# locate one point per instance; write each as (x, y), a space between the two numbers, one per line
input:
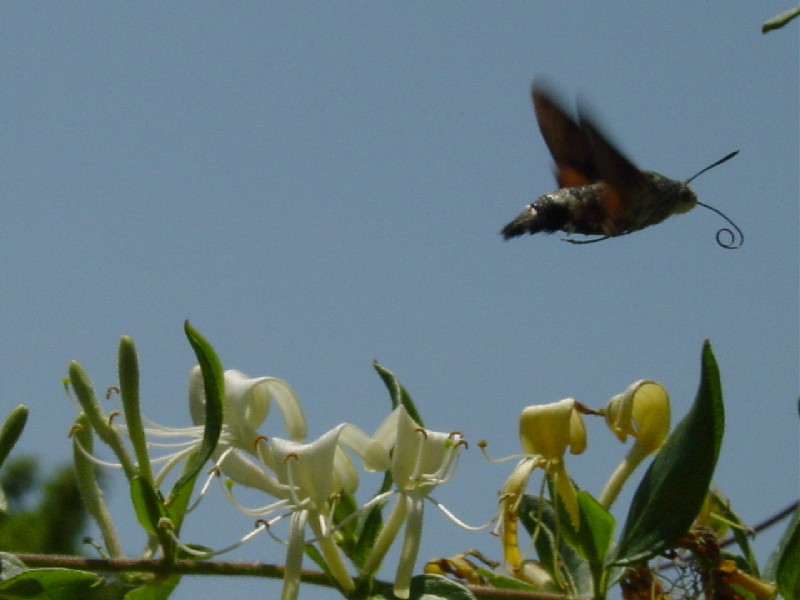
(643, 412)
(246, 406)
(421, 460)
(546, 432)
(306, 478)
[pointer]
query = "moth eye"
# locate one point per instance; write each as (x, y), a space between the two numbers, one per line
(687, 196)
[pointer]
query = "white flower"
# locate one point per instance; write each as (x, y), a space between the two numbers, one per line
(245, 408)
(421, 460)
(306, 479)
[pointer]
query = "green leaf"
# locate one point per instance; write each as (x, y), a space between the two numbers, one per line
(597, 529)
(722, 519)
(429, 587)
(12, 429)
(147, 504)
(673, 489)
(503, 581)
(371, 526)
(48, 584)
(158, 590)
(150, 510)
(595, 535)
(781, 20)
(179, 497)
(214, 386)
(398, 393)
(436, 586)
(785, 563)
(555, 544)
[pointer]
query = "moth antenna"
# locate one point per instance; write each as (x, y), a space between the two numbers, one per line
(725, 158)
(734, 243)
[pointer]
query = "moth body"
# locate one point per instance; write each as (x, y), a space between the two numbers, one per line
(599, 209)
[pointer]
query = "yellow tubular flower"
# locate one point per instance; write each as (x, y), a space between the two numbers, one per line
(547, 431)
(643, 412)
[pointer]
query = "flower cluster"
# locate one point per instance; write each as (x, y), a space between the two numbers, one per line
(307, 481)
(310, 485)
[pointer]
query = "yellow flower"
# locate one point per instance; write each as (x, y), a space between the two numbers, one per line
(546, 431)
(643, 412)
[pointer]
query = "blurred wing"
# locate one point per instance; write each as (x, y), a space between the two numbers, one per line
(611, 165)
(569, 146)
(624, 182)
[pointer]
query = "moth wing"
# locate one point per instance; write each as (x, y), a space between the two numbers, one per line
(610, 164)
(623, 180)
(569, 145)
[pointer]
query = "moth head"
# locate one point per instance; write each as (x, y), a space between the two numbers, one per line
(685, 201)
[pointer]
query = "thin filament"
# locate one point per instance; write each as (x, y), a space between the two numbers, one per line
(734, 242)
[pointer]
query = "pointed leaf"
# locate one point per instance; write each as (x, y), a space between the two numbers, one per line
(214, 386)
(785, 563)
(161, 589)
(148, 506)
(597, 529)
(555, 544)
(429, 587)
(780, 20)
(397, 392)
(503, 581)
(49, 584)
(179, 497)
(150, 511)
(673, 489)
(371, 527)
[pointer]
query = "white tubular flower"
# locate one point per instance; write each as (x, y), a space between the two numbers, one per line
(643, 412)
(546, 431)
(246, 406)
(307, 477)
(247, 403)
(422, 459)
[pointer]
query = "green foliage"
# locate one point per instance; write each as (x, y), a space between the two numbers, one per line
(44, 516)
(49, 584)
(784, 565)
(429, 587)
(781, 20)
(214, 385)
(674, 487)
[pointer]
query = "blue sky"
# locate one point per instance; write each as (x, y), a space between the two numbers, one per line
(317, 185)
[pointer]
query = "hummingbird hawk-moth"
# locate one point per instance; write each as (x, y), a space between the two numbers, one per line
(601, 191)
